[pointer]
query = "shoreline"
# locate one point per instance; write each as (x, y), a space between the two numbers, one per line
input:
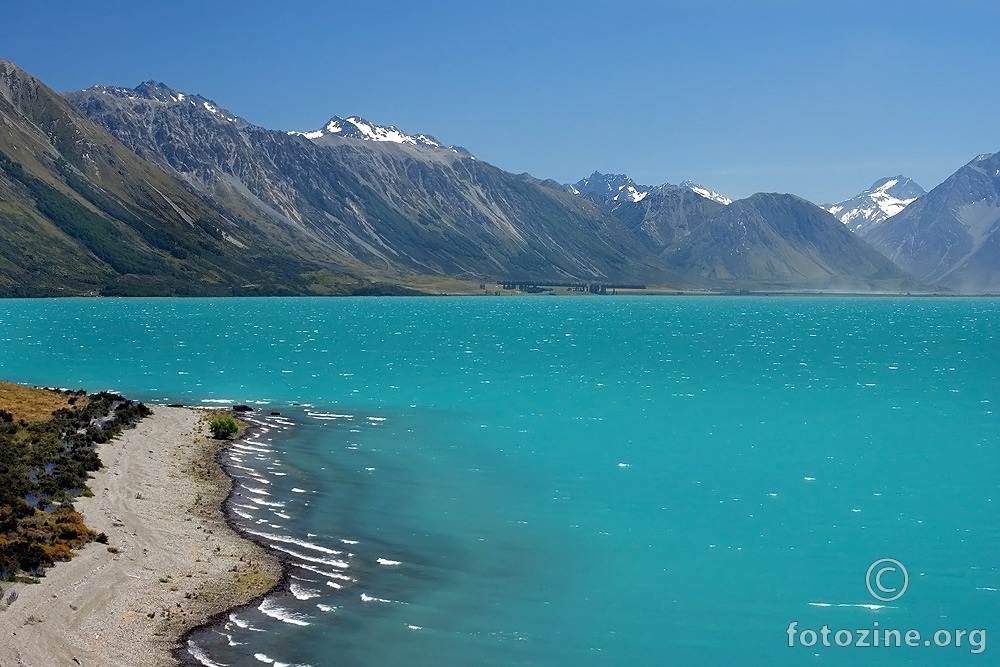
(172, 563)
(180, 653)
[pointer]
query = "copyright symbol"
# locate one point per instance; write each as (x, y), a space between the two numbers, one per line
(878, 589)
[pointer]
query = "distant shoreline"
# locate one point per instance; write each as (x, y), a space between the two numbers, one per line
(172, 562)
(649, 291)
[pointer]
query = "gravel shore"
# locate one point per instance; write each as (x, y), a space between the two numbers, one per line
(171, 561)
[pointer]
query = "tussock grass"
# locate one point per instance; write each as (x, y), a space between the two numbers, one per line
(29, 403)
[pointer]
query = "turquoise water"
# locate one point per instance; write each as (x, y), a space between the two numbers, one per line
(592, 481)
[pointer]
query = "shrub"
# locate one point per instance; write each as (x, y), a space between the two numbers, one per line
(223, 427)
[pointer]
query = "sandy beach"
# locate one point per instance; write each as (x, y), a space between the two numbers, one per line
(170, 563)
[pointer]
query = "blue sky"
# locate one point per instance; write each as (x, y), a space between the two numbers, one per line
(818, 98)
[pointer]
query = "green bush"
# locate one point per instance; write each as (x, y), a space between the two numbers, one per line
(223, 427)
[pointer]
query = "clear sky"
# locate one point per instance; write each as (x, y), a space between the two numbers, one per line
(815, 97)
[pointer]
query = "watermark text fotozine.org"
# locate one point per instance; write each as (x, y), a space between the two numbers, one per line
(975, 640)
(880, 578)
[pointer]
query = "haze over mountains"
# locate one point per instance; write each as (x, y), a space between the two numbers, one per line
(152, 190)
(951, 235)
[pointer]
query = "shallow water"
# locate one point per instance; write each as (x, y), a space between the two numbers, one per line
(590, 481)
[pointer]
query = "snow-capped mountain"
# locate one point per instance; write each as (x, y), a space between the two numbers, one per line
(356, 127)
(610, 187)
(706, 193)
(154, 90)
(884, 199)
(621, 188)
(951, 235)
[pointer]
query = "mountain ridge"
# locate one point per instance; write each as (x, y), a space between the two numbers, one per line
(405, 207)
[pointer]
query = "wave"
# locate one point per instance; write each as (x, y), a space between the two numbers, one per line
(296, 541)
(302, 593)
(865, 605)
(270, 608)
(328, 415)
(245, 447)
(199, 654)
(267, 660)
(266, 503)
(241, 624)
(324, 573)
(309, 559)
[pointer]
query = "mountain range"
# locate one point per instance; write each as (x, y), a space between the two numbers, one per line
(149, 190)
(399, 204)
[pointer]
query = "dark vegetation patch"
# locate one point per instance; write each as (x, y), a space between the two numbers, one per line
(44, 466)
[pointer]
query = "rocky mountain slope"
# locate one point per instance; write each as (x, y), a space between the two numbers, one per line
(604, 188)
(80, 213)
(403, 204)
(884, 199)
(951, 235)
(664, 215)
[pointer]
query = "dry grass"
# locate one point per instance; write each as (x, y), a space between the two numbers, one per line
(29, 403)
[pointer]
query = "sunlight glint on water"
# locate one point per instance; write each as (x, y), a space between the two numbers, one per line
(590, 481)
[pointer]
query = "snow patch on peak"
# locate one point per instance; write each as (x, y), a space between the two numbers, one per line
(706, 193)
(884, 199)
(356, 127)
(612, 187)
(634, 194)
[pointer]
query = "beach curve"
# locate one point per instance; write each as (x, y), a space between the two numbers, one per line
(170, 564)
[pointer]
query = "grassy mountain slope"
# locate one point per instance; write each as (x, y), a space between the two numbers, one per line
(778, 241)
(80, 214)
